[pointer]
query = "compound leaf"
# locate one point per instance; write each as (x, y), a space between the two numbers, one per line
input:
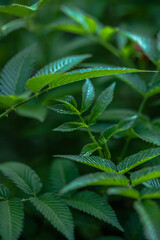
(17, 71)
(99, 178)
(4, 192)
(93, 161)
(102, 102)
(149, 214)
(22, 176)
(11, 219)
(55, 210)
(139, 158)
(94, 205)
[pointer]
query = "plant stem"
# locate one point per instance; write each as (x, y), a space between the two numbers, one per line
(142, 104)
(13, 108)
(106, 151)
(91, 136)
(124, 149)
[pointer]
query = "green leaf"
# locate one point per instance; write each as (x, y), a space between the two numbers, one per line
(133, 227)
(17, 71)
(110, 238)
(22, 176)
(61, 174)
(145, 174)
(19, 10)
(154, 89)
(147, 133)
(99, 178)
(117, 114)
(11, 219)
(149, 214)
(68, 106)
(93, 204)
(150, 193)
(88, 23)
(107, 32)
(35, 111)
(137, 159)
(4, 192)
(68, 26)
(120, 127)
(12, 26)
(102, 102)
(146, 44)
(55, 210)
(135, 81)
(93, 161)
(62, 65)
(124, 191)
(88, 95)
(9, 101)
(70, 126)
(59, 79)
(88, 149)
(154, 183)
(64, 109)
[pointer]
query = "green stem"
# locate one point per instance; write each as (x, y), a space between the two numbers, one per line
(142, 104)
(124, 149)
(13, 108)
(91, 136)
(106, 151)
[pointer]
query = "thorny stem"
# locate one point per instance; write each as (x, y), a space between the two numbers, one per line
(91, 136)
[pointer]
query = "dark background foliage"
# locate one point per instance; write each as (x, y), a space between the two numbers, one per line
(32, 141)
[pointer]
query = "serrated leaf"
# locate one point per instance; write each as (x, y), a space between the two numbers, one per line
(124, 191)
(104, 99)
(146, 44)
(88, 95)
(62, 65)
(64, 109)
(149, 214)
(145, 174)
(147, 133)
(60, 79)
(99, 178)
(70, 126)
(11, 219)
(68, 106)
(4, 192)
(94, 205)
(135, 81)
(154, 183)
(22, 176)
(88, 149)
(55, 210)
(61, 174)
(93, 161)
(18, 10)
(17, 71)
(120, 127)
(150, 193)
(137, 159)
